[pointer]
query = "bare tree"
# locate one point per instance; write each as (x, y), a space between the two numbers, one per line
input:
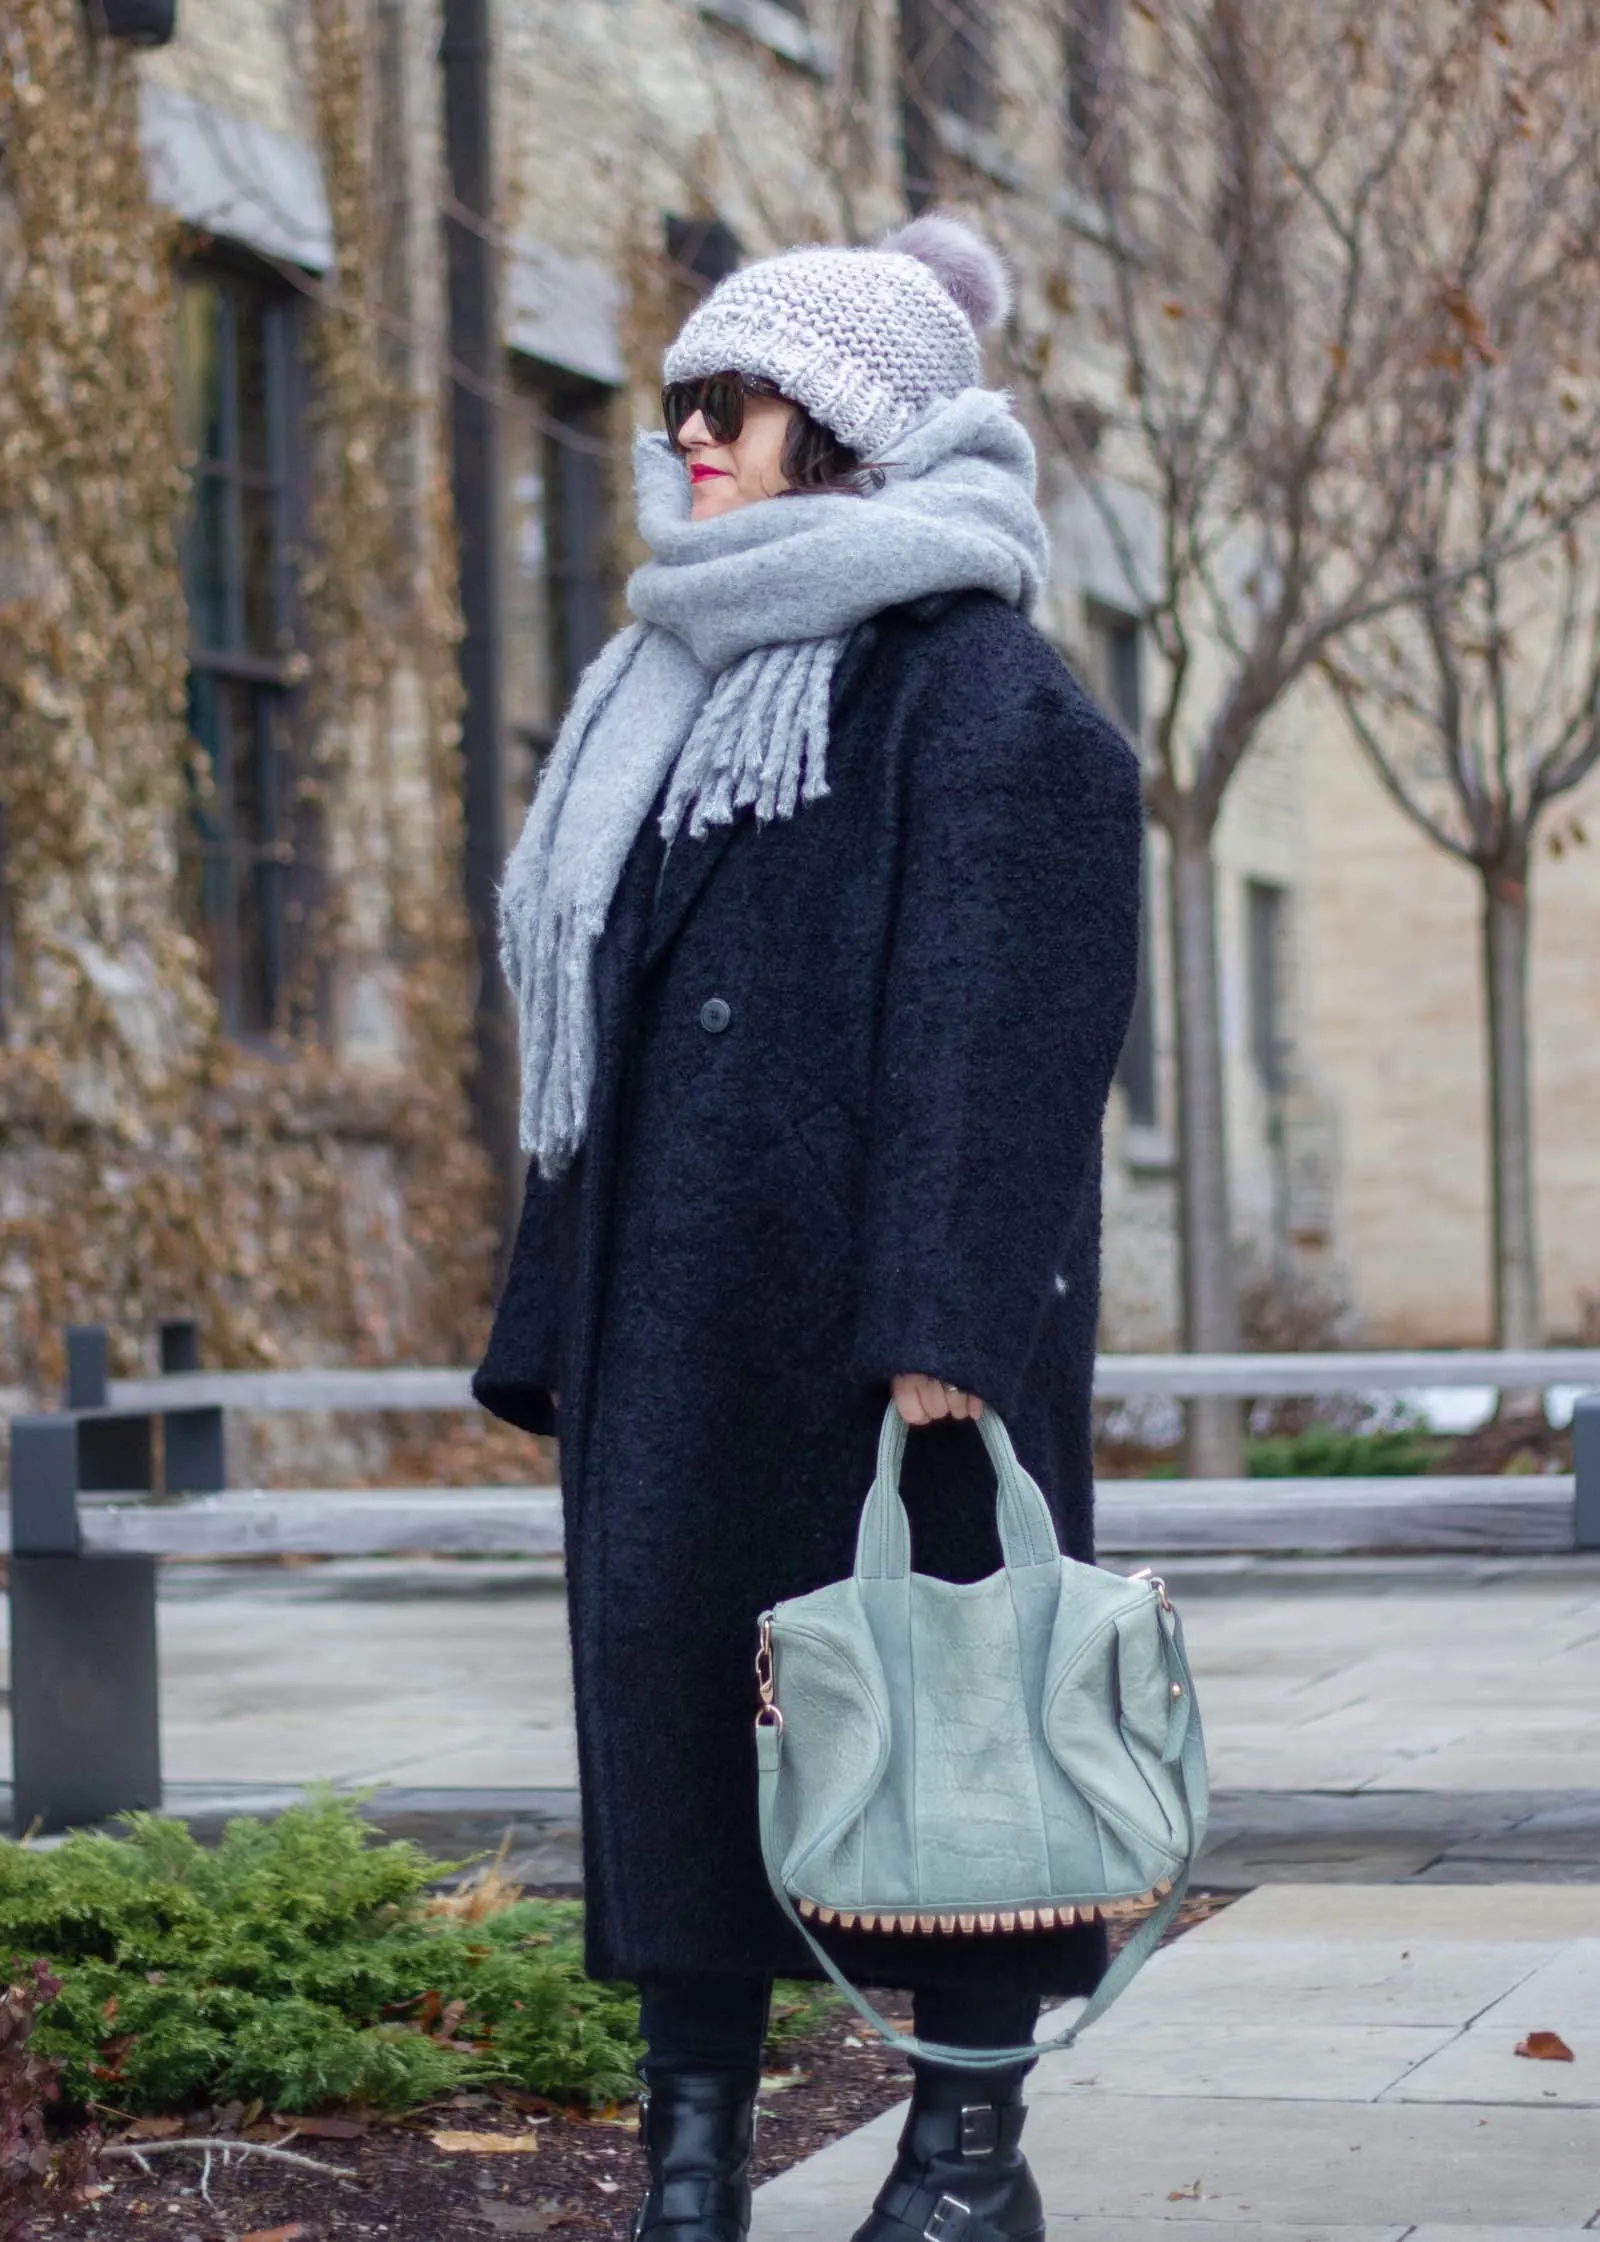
(1277, 207)
(1239, 229)
(1478, 705)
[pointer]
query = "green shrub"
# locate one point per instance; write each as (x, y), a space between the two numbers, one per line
(1326, 1452)
(298, 1964)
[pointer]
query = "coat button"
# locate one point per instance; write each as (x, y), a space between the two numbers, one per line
(715, 1014)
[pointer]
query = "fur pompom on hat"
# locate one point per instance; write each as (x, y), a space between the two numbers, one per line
(865, 339)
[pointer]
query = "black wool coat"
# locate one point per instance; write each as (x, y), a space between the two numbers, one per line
(853, 1070)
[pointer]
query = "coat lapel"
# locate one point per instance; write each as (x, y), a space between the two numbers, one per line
(683, 877)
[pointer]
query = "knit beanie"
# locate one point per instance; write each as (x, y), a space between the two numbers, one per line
(865, 339)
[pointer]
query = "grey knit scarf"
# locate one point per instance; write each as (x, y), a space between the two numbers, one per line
(719, 694)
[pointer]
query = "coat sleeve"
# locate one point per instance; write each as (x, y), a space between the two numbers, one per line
(520, 1370)
(1009, 989)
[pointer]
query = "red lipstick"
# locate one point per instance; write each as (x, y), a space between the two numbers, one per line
(702, 474)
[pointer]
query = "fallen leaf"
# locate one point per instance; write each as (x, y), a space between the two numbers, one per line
(608, 2187)
(154, 2129)
(1546, 2047)
(323, 2128)
(774, 2082)
(1190, 2194)
(485, 2144)
(295, 2233)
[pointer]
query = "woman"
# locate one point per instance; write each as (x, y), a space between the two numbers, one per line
(823, 928)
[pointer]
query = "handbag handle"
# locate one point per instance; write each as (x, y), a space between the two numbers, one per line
(883, 1539)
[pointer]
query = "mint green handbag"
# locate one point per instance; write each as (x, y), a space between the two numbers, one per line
(1004, 1755)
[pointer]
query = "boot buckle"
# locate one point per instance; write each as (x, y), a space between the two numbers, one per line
(948, 2220)
(980, 2129)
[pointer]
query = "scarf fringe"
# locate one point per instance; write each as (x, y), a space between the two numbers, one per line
(760, 742)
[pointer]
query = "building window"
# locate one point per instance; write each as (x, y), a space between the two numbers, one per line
(701, 251)
(948, 89)
(1266, 935)
(947, 53)
(560, 573)
(1086, 37)
(1115, 649)
(237, 396)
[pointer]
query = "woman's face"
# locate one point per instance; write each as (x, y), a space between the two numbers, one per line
(723, 477)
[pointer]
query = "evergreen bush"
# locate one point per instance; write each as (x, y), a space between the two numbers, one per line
(298, 1964)
(1323, 1451)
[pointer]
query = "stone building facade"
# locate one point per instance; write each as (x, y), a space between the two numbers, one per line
(641, 147)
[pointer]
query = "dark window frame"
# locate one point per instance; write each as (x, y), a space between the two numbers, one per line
(948, 69)
(1267, 909)
(1087, 30)
(252, 835)
(700, 250)
(579, 527)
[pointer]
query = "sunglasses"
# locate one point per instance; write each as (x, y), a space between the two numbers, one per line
(719, 397)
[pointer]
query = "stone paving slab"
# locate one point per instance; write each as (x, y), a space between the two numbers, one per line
(1179, 2228)
(1416, 1913)
(1482, 2065)
(1393, 1982)
(1246, 2086)
(1380, 1836)
(1569, 1984)
(1266, 2167)
(1492, 2234)
(1285, 2060)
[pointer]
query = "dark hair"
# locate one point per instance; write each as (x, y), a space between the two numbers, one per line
(815, 460)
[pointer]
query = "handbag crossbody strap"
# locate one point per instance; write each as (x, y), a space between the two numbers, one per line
(1193, 1791)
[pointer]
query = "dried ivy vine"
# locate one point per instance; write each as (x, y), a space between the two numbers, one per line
(383, 590)
(147, 1165)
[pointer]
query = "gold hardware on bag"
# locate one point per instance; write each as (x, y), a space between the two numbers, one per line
(1156, 1582)
(770, 1714)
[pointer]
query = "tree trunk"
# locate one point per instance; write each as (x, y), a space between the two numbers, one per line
(1505, 975)
(1214, 1434)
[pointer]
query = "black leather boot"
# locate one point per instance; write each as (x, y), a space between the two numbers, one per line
(697, 2128)
(960, 2175)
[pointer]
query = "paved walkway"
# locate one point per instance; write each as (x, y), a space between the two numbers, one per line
(1342, 1677)
(1434, 1718)
(1317, 2064)
(1407, 1757)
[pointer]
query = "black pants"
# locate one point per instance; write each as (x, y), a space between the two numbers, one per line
(720, 2024)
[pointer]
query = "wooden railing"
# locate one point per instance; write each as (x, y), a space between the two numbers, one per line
(99, 1495)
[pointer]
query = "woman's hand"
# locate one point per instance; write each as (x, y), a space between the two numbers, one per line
(923, 1401)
